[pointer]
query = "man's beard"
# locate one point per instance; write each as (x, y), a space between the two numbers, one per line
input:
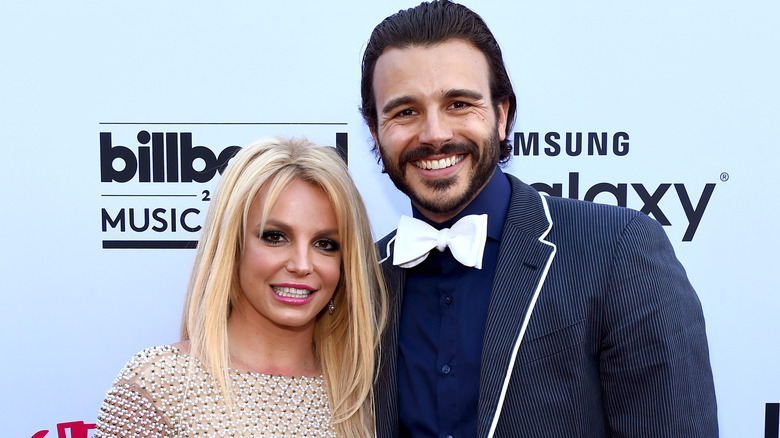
(484, 163)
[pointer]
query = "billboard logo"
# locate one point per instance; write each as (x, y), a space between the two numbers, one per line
(166, 215)
(170, 158)
(772, 420)
(163, 220)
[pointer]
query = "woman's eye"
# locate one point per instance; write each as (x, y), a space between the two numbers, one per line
(272, 237)
(327, 245)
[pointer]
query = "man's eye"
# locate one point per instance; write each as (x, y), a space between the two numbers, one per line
(459, 104)
(406, 113)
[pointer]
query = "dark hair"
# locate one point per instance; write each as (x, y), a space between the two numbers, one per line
(429, 24)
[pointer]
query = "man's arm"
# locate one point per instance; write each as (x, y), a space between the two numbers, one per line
(654, 361)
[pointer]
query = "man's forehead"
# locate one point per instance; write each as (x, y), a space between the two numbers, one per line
(451, 42)
(454, 63)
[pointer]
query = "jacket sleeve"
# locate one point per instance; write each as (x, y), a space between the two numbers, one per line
(654, 361)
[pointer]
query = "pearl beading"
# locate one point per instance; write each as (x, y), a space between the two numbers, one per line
(162, 392)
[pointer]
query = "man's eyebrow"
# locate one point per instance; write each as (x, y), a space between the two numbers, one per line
(396, 102)
(449, 94)
(463, 92)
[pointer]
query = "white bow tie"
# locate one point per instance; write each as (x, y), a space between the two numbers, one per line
(415, 239)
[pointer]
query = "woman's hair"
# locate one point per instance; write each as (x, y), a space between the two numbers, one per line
(346, 341)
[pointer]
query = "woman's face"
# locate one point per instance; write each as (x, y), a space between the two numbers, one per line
(289, 269)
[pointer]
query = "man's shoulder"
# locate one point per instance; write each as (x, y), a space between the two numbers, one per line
(576, 217)
(593, 225)
(529, 204)
(567, 207)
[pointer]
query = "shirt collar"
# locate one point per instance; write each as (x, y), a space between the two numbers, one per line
(493, 200)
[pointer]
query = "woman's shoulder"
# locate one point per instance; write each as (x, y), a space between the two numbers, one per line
(155, 363)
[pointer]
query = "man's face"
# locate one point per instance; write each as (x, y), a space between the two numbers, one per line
(437, 129)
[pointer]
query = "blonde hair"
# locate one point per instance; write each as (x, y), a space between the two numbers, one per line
(345, 342)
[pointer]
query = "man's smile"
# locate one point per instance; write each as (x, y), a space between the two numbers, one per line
(442, 163)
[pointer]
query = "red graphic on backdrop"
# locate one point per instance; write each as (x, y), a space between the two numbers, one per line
(78, 429)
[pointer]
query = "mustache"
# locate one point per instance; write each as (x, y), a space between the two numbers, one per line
(423, 151)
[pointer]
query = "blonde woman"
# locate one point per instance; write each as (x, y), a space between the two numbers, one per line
(282, 313)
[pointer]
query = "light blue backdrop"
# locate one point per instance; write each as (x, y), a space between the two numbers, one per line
(693, 84)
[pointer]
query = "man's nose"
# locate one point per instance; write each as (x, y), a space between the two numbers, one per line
(436, 129)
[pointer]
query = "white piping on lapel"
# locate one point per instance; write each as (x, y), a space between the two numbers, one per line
(508, 375)
(387, 250)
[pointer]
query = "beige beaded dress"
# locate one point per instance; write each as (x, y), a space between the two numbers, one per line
(163, 392)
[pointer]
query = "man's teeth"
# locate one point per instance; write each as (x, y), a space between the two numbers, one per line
(439, 164)
(292, 292)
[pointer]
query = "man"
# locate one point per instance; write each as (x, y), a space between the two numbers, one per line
(574, 319)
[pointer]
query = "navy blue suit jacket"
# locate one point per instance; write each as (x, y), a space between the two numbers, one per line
(593, 329)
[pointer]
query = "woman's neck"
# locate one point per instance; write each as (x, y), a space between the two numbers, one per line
(270, 349)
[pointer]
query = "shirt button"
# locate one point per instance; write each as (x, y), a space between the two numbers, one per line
(448, 436)
(448, 299)
(446, 369)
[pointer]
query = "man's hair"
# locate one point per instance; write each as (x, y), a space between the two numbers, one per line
(429, 24)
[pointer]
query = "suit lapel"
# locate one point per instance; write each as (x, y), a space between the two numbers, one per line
(386, 388)
(523, 261)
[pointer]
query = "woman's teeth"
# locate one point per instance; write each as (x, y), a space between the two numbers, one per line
(291, 292)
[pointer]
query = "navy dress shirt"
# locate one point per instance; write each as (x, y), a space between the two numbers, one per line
(443, 316)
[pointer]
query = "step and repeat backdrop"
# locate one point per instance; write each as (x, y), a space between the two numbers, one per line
(112, 114)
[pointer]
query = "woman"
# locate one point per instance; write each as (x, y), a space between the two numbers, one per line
(280, 321)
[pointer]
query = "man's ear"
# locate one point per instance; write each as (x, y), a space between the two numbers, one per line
(373, 134)
(502, 113)
(375, 149)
